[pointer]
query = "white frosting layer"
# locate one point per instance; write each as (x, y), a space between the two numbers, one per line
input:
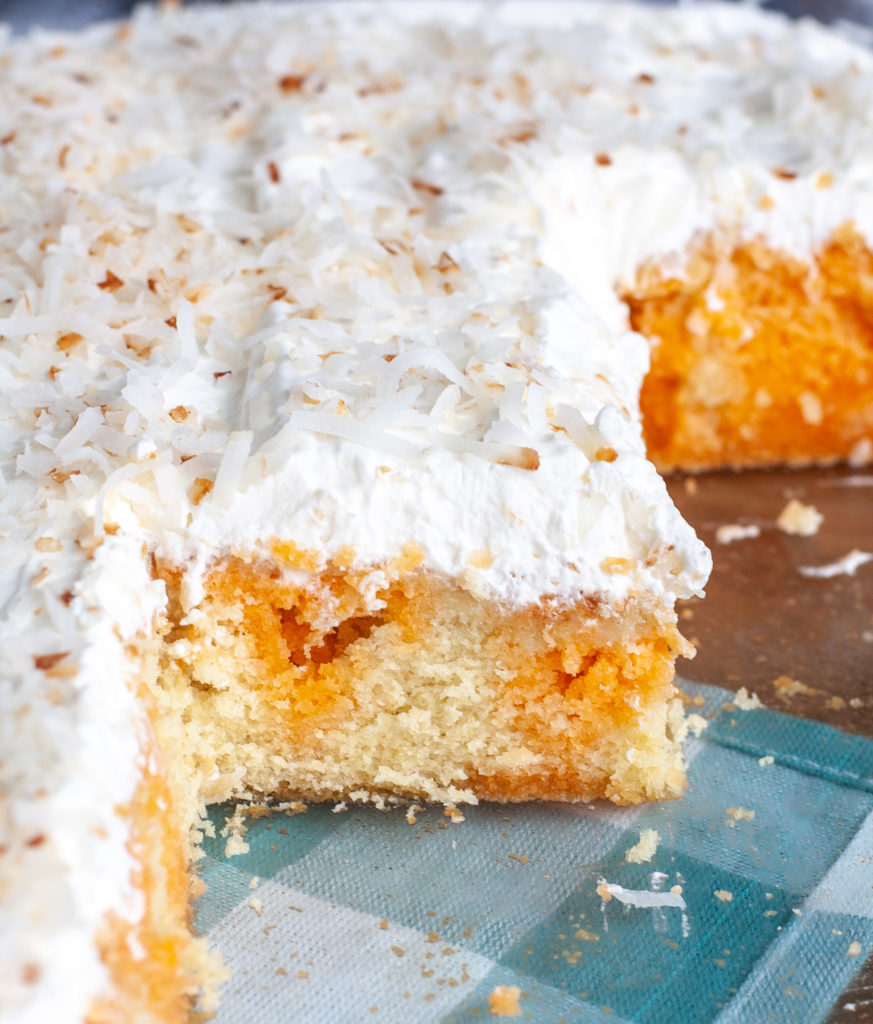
(359, 274)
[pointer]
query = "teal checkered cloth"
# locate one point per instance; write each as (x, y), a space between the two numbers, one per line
(361, 916)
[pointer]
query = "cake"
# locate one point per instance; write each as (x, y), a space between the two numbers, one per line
(327, 418)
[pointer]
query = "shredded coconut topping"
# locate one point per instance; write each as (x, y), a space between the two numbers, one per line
(639, 897)
(727, 533)
(848, 565)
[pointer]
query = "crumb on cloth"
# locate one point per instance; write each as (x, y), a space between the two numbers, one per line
(746, 701)
(696, 724)
(643, 851)
(740, 813)
(503, 1001)
(234, 831)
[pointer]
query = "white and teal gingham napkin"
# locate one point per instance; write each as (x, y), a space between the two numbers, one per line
(336, 916)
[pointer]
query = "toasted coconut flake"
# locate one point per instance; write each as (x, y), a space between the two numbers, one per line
(46, 662)
(111, 282)
(524, 458)
(292, 83)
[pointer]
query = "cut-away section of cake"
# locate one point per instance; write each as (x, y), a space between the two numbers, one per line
(758, 358)
(319, 691)
(159, 969)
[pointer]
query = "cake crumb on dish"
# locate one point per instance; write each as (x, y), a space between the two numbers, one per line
(724, 895)
(746, 701)
(786, 688)
(730, 532)
(799, 520)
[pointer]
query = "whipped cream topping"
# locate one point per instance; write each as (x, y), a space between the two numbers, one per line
(345, 275)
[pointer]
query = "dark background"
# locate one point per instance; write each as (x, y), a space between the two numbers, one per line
(71, 13)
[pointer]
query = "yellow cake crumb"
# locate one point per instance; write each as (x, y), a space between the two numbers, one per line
(740, 813)
(643, 851)
(696, 723)
(503, 1001)
(746, 701)
(799, 520)
(603, 892)
(786, 688)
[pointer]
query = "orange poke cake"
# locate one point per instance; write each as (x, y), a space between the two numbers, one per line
(339, 345)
